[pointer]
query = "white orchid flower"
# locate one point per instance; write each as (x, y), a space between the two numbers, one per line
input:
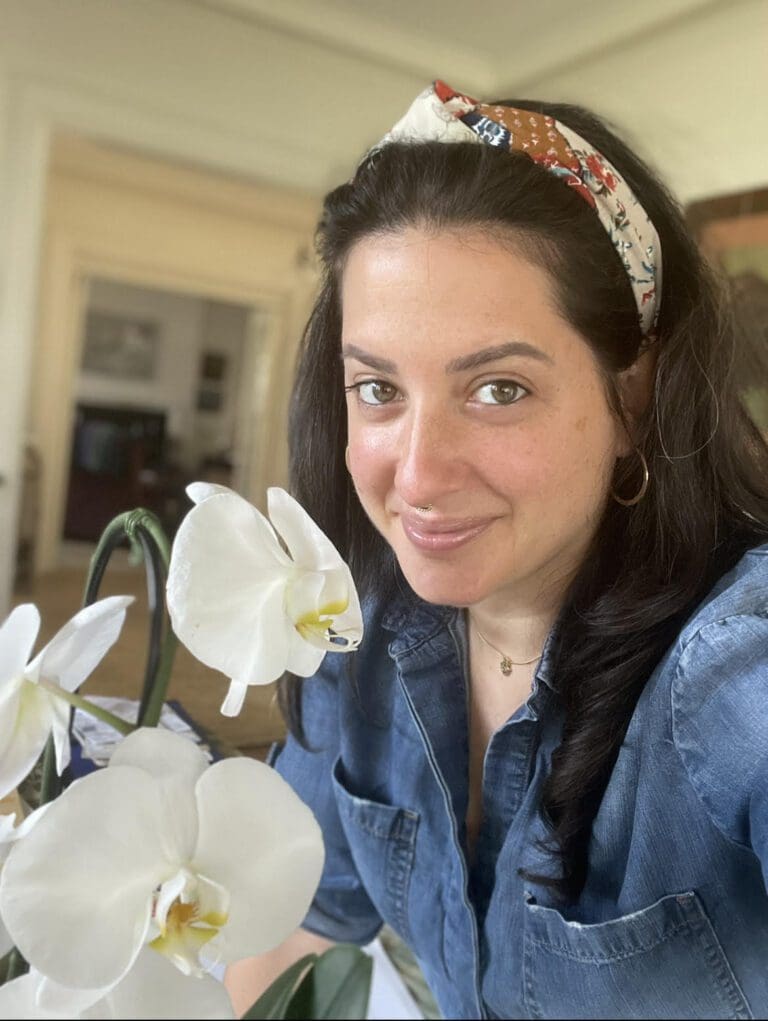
(152, 989)
(204, 864)
(30, 710)
(243, 605)
(9, 834)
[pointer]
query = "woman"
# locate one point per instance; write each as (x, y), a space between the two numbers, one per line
(548, 770)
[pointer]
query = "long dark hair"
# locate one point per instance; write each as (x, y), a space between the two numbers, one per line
(649, 564)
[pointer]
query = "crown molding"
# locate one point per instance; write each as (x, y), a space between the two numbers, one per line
(608, 24)
(350, 32)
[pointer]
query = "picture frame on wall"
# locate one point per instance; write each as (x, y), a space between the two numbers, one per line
(120, 347)
(213, 366)
(209, 399)
(732, 231)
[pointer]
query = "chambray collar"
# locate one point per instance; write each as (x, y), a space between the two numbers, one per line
(414, 621)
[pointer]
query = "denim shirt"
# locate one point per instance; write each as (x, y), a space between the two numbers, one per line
(673, 919)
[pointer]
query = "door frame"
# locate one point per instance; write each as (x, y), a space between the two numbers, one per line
(79, 246)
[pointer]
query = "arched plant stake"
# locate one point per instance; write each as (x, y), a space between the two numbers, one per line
(143, 527)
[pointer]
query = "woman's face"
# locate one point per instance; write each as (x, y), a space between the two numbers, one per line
(469, 394)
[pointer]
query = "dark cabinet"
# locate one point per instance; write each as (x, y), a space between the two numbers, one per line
(118, 463)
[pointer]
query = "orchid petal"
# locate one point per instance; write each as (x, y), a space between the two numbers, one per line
(175, 763)
(10, 699)
(18, 999)
(75, 651)
(308, 545)
(7, 829)
(189, 911)
(302, 596)
(60, 732)
(225, 590)
(348, 623)
(33, 717)
(199, 491)
(154, 990)
(268, 854)
(6, 944)
(9, 834)
(76, 892)
(170, 891)
(64, 1001)
(233, 700)
(304, 657)
(17, 638)
(318, 605)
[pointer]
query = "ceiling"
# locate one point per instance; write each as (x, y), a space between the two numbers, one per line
(491, 47)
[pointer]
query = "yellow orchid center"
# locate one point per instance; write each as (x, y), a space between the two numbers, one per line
(184, 931)
(318, 622)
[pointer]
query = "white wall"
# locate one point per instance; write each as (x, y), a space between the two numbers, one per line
(693, 98)
(191, 79)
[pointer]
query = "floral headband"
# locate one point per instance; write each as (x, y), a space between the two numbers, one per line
(440, 114)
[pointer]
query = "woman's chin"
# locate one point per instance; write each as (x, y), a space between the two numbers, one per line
(442, 590)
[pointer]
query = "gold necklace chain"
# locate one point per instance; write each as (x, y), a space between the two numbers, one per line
(506, 663)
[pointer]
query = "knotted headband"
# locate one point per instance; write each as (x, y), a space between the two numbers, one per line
(442, 115)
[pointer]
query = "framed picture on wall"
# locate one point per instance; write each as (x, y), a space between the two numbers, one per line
(209, 399)
(733, 233)
(121, 347)
(213, 366)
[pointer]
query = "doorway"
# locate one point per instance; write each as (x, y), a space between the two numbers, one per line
(158, 402)
(119, 226)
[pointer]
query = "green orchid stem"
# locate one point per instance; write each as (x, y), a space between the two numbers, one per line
(127, 524)
(144, 530)
(88, 707)
(154, 704)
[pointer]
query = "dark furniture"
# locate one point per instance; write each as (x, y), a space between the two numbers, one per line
(118, 463)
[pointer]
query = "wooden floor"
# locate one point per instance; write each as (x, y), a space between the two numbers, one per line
(200, 690)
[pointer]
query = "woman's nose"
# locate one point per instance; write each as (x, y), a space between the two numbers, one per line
(429, 459)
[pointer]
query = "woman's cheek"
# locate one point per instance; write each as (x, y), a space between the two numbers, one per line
(371, 465)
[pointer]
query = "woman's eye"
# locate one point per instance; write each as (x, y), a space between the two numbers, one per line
(375, 391)
(500, 391)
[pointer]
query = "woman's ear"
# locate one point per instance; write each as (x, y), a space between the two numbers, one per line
(636, 385)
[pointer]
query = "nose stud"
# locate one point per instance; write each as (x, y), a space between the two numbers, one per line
(425, 509)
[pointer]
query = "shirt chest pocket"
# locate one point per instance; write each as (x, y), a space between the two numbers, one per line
(382, 840)
(662, 962)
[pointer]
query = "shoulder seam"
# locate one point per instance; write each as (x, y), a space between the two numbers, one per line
(678, 718)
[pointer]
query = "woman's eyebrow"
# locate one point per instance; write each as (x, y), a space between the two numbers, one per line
(380, 364)
(492, 354)
(462, 364)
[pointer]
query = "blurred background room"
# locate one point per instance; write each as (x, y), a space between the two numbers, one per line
(162, 165)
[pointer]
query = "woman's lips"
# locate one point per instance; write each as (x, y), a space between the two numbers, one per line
(442, 536)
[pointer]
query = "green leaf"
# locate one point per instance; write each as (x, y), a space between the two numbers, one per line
(273, 1001)
(337, 986)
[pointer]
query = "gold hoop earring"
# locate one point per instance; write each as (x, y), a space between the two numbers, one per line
(643, 487)
(346, 457)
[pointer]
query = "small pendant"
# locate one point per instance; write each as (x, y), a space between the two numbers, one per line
(506, 666)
